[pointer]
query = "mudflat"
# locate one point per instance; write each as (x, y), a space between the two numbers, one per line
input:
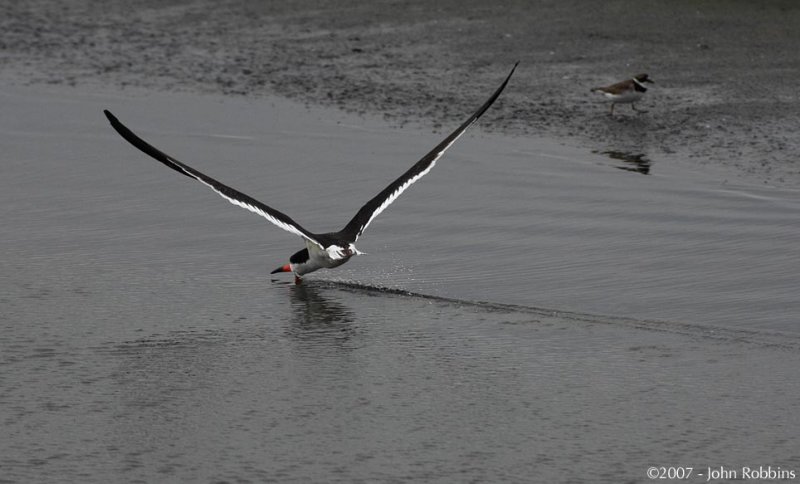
(726, 72)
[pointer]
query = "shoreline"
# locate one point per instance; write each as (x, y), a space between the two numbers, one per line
(708, 105)
(645, 241)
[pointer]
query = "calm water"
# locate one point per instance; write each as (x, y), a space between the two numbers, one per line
(630, 320)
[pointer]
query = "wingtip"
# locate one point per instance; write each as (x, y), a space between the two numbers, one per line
(503, 86)
(110, 116)
(508, 77)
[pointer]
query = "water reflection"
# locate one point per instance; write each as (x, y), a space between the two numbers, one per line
(635, 162)
(314, 315)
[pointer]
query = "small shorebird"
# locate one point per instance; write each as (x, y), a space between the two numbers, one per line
(326, 250)
(628, 91)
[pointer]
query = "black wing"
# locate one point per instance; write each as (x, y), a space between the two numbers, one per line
(235, 197)
(378, 204)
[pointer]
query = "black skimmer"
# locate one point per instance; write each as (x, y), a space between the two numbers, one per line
(322, 250)
(628, 91)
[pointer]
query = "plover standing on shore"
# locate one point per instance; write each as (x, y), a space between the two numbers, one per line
(628, 91)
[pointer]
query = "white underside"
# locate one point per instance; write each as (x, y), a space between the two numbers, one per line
(626, 97)
(319, 258)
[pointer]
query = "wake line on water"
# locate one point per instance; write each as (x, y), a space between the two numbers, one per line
(731, 335)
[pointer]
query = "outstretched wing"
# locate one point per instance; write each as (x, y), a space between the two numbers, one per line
(378, 204)
(235, 197)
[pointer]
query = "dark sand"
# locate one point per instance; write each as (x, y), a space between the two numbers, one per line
(726, 71)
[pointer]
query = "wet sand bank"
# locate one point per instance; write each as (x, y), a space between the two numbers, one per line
(726, 72)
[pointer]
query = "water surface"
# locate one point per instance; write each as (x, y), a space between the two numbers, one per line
(627, 320)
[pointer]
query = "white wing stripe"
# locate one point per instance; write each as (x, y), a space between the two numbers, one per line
(254, 209)
(408, 183)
